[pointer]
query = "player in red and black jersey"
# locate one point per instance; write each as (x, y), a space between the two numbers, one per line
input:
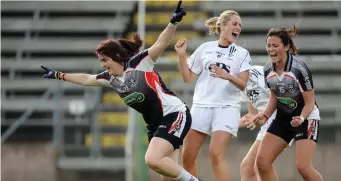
(130, 72)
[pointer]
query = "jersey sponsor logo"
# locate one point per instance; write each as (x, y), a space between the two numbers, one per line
(290, 103)
(223, 66)
(133, 98)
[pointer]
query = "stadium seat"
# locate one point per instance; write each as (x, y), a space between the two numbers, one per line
(257, 43)
(159, 3)
(162, 18)
(219, 6)
(107, 140)
(68, 25)
(79, 64)
(113, 118)
(151, 37)
(111, 98)
(167, 76)
(124, 6)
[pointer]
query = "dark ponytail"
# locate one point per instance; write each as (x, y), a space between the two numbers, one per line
(120, 50)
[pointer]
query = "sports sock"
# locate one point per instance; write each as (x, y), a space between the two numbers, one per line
(186, 176)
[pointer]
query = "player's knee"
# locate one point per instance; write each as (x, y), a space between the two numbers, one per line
(303, 168)
(262, 164)
(152, 162)
(247, 167)
(216, 156)
(188, 158)
(188, 162)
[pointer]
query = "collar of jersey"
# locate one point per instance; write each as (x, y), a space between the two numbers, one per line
(221, 46)
(121, 78)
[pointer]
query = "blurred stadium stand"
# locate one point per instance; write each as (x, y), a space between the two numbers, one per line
(63, 36)
(86, 123)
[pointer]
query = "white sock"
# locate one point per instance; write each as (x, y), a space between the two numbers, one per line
(185, 176)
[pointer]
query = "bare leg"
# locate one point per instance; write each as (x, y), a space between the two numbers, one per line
(305, 150)
(157, 158)
(174, 156)
(218, 146)
(248, 168)
(269, 149)
(190, 150)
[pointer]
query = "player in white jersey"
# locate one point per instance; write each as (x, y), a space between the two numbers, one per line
(216, 102)
(257, 95)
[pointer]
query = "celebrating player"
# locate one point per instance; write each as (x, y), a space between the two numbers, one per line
(131, 74)
(292, 94)
(216, 102)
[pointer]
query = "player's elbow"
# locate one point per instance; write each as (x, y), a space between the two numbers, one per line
(187, 79)
(242, 86)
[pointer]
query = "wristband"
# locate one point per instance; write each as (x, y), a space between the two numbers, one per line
(267, 117)
(56, 75)
(173, 25)
(62, 76)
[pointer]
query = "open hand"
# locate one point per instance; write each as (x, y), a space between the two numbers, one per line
(244, 120)
(258, 120)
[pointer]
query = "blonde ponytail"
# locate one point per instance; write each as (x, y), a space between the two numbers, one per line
(211, 24)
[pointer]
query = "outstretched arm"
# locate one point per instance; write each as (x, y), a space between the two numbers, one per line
(82, 79)
(76, 78)
(167, 34)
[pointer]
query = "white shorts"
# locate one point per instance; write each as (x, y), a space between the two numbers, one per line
(209, 119)
(265, 127)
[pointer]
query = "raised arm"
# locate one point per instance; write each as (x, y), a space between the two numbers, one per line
(167, 34)
(187, 75)
(76, 78)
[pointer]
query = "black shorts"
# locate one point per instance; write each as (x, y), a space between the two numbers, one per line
(282, 128)
(173, 127)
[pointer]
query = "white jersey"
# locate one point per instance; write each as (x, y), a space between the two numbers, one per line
(217, 92)
(256, 91)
